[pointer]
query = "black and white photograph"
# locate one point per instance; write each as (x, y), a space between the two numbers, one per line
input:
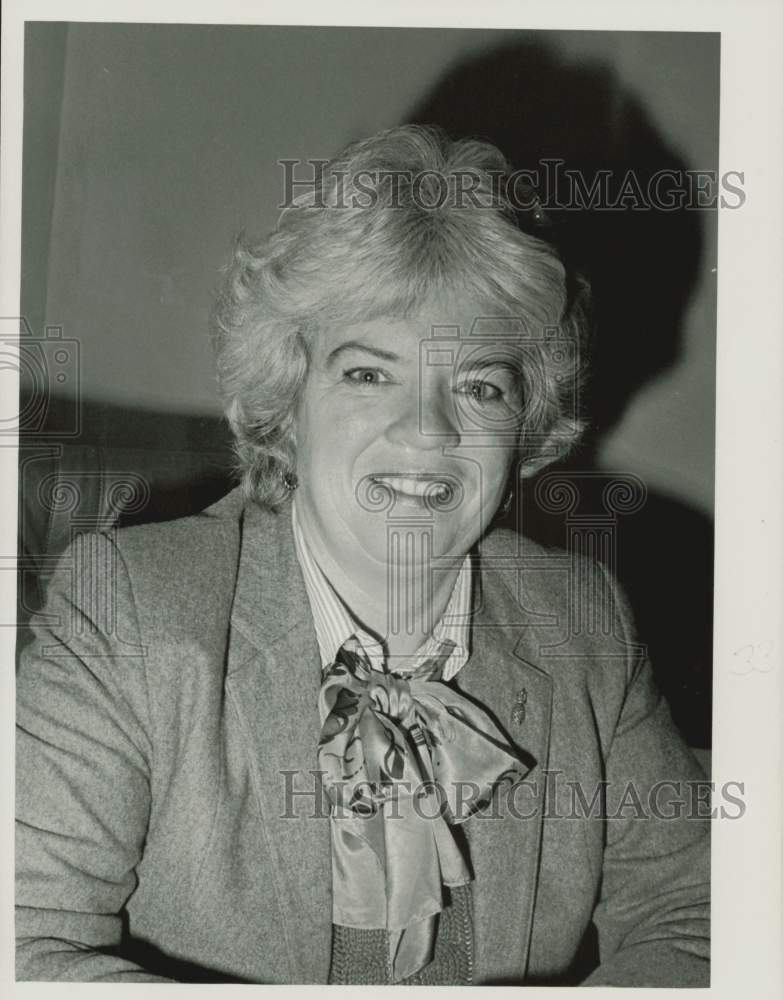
(392, 551)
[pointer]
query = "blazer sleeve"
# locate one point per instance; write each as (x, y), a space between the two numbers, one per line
(653, 912)
(83, 771)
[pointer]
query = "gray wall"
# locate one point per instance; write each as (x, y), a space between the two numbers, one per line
(147, 147)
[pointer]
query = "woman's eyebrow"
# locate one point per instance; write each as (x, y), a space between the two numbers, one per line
(480, 364)
(357, 345)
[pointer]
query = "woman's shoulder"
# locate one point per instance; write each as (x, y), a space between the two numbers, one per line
(547, 569)
(203, 540)
(556, 570)
(163, 571)
(570, 606)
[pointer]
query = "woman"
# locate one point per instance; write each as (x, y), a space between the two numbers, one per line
(310, 734)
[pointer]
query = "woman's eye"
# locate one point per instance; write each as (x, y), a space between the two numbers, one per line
(365, 376)
(481, 391)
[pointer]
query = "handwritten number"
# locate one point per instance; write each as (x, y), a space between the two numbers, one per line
(754, 658)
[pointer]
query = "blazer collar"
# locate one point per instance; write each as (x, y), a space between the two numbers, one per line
(270, 598)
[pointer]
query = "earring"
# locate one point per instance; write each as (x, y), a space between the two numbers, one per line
(506, 507)
(289, 481)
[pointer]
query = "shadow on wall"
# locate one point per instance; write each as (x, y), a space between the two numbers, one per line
(642, 266)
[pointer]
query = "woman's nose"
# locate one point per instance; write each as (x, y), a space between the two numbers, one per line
(426, 423)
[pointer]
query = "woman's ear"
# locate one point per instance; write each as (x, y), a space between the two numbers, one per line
(562, 438)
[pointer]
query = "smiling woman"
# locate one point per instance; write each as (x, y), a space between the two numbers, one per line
(308, 735)
(409, 429)
(399, 317)
(364, 243)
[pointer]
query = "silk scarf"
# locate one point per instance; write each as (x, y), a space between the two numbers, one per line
(404, 758)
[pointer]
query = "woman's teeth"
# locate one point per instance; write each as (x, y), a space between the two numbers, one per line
(416, 487)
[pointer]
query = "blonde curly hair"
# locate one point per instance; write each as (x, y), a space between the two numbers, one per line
(391, 220)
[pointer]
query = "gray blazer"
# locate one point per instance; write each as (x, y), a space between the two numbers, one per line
(169, 699)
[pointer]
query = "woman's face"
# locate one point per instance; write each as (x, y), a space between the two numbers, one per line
(407, 424)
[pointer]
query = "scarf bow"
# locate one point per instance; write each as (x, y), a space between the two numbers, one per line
(403, 758)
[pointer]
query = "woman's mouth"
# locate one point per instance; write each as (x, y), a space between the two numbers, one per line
(419, 490)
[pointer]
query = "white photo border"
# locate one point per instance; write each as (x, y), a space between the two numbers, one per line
(748, 743)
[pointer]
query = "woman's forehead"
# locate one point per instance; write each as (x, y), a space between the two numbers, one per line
(446, 318)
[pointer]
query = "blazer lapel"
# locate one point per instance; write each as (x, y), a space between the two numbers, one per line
(505, 840)
(274, 675)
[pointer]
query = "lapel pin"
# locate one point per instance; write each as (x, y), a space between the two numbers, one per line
(519, 709)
